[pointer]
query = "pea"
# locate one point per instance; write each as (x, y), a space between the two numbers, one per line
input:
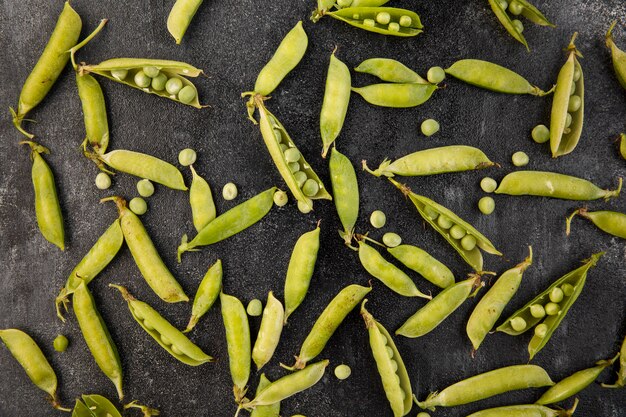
(568, 289)
(119, 74)
(255, 308)
(369, 22)
(541, 330)
(294, 167)
(342, 371)
(537, 311)
(516, 8)
(383, 18)
(503, 4)
(304, 208)
(393, 27)
(292, 155)
(430, 127)
(431, 213)
(151, 72)
(389, 351)
(158, 82)
(394, 365)
(568, 120)
(145, 188)
(444, 222)
(518, 324)
(435, 75)
(468, 242)
(520, 159)
(166, 340)
(280, 198)
(103, 181)
(310, 187)
(519, 26)
(300, 177)
(173, 85)
(552, 309)
(486, 205)
(540, 134)
(577, 74)
(405, 21)
(488, 185)
(138, 206)
(148, 325)
(392, 240)
(142, 80)
(60, 343)
(574, 104)
(186, 94)
(457, 232)
(229, 192)
(556, 295)
(378, 219)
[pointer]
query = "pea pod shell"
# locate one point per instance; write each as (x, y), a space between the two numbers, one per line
(101, 406)
(424, 264)
(335, 104)
(201, 201)
(300, 269)
(525, 410)
(619, 59)
(180, 17)
(610, 222)
(390, 70)
(145, 166)
(347, 15)
(208, 291)
(238, 341)
(506, 21)
(94, 112)
(269, 331)
(345, 191)
(396, 95)
(272, 410)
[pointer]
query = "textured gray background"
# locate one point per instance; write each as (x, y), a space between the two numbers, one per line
(231, 41)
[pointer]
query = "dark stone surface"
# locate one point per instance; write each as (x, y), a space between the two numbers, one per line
(231, 41)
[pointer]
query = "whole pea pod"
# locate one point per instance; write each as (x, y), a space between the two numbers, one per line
(383, 20)
(300, 269)
(433, 161)
(622, 145)
(269, 331)
(526, 410)
(49, 66)
(208, 291)
(621, 375)
(610, 222)
(618, 56)
(335, 104)
(345, 191)
(232, 222)
(31, 358)
(396, 95)
(94, 112)
(524, 8)
(238, 341)
(424, 264)
(552, 184)
(167, 336)
(180, 17)
(393, 374)
(390, 70)
(201, 201)
(272, 410)
(549, 307)
(47, 206)
(146, 257)
(488, 384)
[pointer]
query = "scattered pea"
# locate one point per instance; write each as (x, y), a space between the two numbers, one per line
(342, 371)
(255, 308)
(577, 74)
(431, 213)
(304, 208)
(300, 177)
(280, 198)
(541, 134)
(138, 206)
(518, 324)
(173, 86)
(574, 104)
(405, 21)
(435, 75)
(145, 188)
(292, 155)
(537, 311)
(103, 181)
(488, 184)
(556, 295)
(378, 219)
(186, 94)
(541, 330)
(60, 343)
(444, 222)
(468, 242)
(573, 89)
(457, 232)
(158, 82)
(393, 27)
(568, 289)
(552, 309)
(392, 240)
(520, 159)
(430, 127)
(283, 147)
(516, 8)
(119, 74)
(187, 157)
(142, 80)
(383, 18)
(369, 22)
(518, 25)
(486, 205)
(229, 192)
(151, 72)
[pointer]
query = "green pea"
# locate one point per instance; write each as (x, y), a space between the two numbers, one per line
(255, 308)
(166, 340)
(431, 212)
(119, 74)
(344, 3)
(280, 198)
(552, 309)
(520, 159)
(142, 80)
(60, 343)
(383, 18)
(145, 188)
(574, 104)
(516, 8)
(518, 25)
(294, 167)
(342, 371)
(103, 181)
(568, 120)
(151, 72)
(310, 187)
(138, 206)
(229, 192)
(488, 184)
(393, 27)
(187, 157)
(541, 134)
(444, 222)
(435, 75)
(430, 127)
(292, 155)
(173, 85)
(406, 21)
(457, 232)
(468, 242)
(518, 324)
(304, 207)
(300, 177)
(283, 147)
(378, 219)
(577, 74)
(503, 4)
(568, 289)
(391, 240)
(279, 138)
(537, 311)
(369, 22)
(356, 16)
(556, 295)
(158, 82)
(541, 330)
(486, 205)
(187, 94)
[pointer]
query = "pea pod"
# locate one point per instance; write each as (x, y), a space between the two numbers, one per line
(527, 10)
(396, 95)
(300, 270)
(335, 104)
(238, 341)
(269, 331)
(576, 279)
(81, 410)
(100, 406)
(611, 222)
(167, 336)
(201, 201)
(621, 375)
(47, 206)
(272, 410)
(49, 66)
(369, 18)
(94, 112)
(180, 17)
(232, 222)
(433, 161)
(208, 291)
(622, 145)
(31, 358)
(564, 137)
(390, 70)
(424, 264)
(525, 410)
(393, 374)
(345, 191)
(618, 56)
(97, 336)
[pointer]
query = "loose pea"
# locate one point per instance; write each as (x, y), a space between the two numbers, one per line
(520, 159)
(300, 177)
(294, 167)
(518, 25)
(430, 127)
(391, 240)
(187, 157)
(292, 155)
(518, 324)
(138, 206)
(151, 72)
(541, 134)
(229, 192)
(378, 219)
(556, 295)
(187, 94)
(60, 343)
(516, 8)
(552, 309)
(574, 104)
(383, 18)
(369, 22)
(310, 187)
(435, 75)
(176, 350)
(457, 232)
(158, 82)
(394, 27)
(145, 188)
(304, 207)
(541, 330)
(486, 205)
(173, 86)
(255, 308)
(283, 147)
(142, 80)
(468, 242)
(573, 89)
(119, 74)
(405, 21)
(488, 184)
(280, 198)
(537, 311)
(568, 120)
(103, 181)
(431, 213)
(342, 371)
(568, 289)
(444, 222)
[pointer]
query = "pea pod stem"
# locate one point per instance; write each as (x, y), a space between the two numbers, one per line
(147, 411)
(85, 41)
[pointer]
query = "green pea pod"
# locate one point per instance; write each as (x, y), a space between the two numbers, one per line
(94, 112)
(336, 99)
(533, 14)
(390, 70)
(322, 7)
(300, 269)
(395, 379)
(492, 77)
(424, 264)
(100, 406)
(238, 341)
(180, 17)
(97, 336)
(169, 337)
(146, 257)
(98, 257)
(433, 161)
(396, 95)
(506, 21)
(564, 138)
(439, 308)
(269, 331)
(365, 3)
(488, 384)
(326, 324)
(81, 410)
(366, 18)
(232, 222)
(47, 206)
(618, 56)
(345, 191)
(49, 66)
(31, 358)
(621, 375)
(574, 383)
(525, 410)
(611, 222)
(272, 410)
(201, 201)
(622, 145)
(576, 279)
(551, 184)
(490, 307)
(208, 291)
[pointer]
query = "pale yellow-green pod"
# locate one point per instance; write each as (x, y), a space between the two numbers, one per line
(335, 104)
(269, 331)
(238, 341)
(180, 17)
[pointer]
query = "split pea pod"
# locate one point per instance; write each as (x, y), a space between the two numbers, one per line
(167, 336)
(300, 269)
(396, 95)
(345, 192)
(272, 410)
(326, 324)
(490, 307)
(488, 384)
(393, 374)
(47, 206)
(238, 341)
(201, 201)
(269, 331)
(335, 104)
(180, 17)
(527, 10)
(208, 291)
(525, 410)
(98, 406)
(610, 222)
(97, 336)
(621, 375)
(94, 112)
(552, 184)
(433, 161)
(390, 70)
(146, 257)
(383, 20)
(618, 56)
(31, 358)
(49, 66)
(571, 285)
(568, 105)
(232, 222)
(424, 264)
(439, 308)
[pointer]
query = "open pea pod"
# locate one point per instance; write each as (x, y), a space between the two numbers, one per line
(100, 406)
(507, 22)
(384, 20)
(622, 145)
(533, 14)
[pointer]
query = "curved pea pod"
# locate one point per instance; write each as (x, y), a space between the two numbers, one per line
(208, 291)
(146, 257)
(49, 66)
(345, 191)
(300, 270)
(424, 264)
(621, 375)
(455, 158)
(622, 145)
(506, 21)
(396, 95)
(490, 307)
(172, 69)
(169, 337)
(31, 358)
(390, 70)
(238, 341)
(618, 56)
(576, 279)
(563, 138)
(335, 104)
(610, 222)
(488, 384)
(232, 222)
(365, 18)
(574, 383)
(47, 206)
(490, 76)
(387, 273)
(180, 17)
(430, 211)
(97, 336)
(272, 410)
(393, 374)
(201, 201)
(326, 324)
(525, 410)
(551, 184)
(269, 331)
(100, 406)
(439, 308)
(94, 112)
